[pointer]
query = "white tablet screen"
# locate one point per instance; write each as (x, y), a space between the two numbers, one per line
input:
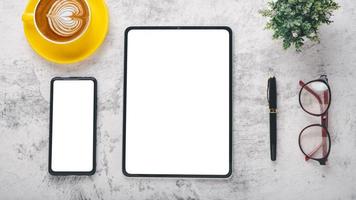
(72, 126)
(177, 102)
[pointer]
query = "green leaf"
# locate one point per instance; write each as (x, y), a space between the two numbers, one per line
(295, 20)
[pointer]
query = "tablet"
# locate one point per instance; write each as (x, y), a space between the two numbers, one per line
(177, 102)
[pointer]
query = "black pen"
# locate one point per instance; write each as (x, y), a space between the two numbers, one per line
(272, 101)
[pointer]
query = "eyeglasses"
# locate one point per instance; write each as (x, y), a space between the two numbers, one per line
(314, 140)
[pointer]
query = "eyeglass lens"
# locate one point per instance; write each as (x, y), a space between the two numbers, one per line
(314, 142)
(315, 97)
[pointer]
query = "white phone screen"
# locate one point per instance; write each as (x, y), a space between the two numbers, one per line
(73, 125)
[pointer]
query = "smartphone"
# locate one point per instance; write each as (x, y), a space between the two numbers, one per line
(72, 128)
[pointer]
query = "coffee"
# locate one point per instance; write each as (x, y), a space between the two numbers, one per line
(62, 20)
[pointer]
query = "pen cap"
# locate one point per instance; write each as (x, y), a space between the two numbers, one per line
(272, 92)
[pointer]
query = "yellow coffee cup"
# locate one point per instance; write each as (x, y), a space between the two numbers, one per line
(76, 49)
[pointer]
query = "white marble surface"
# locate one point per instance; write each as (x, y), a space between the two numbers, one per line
(24, 103)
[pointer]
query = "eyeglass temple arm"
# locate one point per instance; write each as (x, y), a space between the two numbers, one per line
(313, 152)
(324, 122)
(322, 144)
(302, 84)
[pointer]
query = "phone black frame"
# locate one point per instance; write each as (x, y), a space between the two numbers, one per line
(128, 29)
(68, 173)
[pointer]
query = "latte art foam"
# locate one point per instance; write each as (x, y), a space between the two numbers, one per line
(66, 17)
(62, 20)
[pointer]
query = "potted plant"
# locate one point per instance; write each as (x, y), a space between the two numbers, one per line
(294, 21)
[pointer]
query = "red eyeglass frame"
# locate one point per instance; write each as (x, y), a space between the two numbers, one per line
(324, 120)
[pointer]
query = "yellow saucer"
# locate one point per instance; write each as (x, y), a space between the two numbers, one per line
(71, 52)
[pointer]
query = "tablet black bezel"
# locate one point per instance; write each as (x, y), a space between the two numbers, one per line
(125, 92)
(68, 173)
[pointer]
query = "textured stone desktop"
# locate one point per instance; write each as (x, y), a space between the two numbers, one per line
(24, 108)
